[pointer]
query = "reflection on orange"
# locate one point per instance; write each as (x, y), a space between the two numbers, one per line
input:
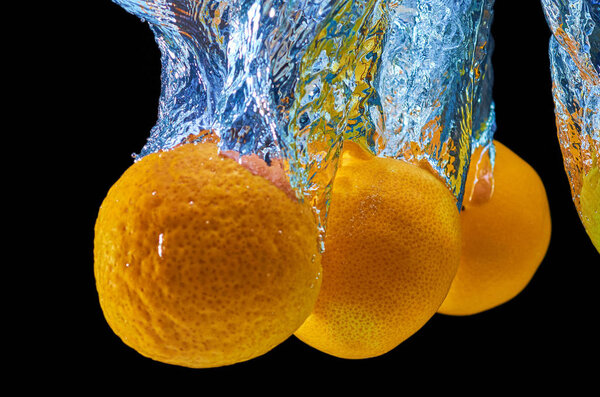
(273, 172)
(203, 136)
(480, 190)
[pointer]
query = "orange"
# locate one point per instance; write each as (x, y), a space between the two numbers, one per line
(505, 236)
(589, 200)
(392, 247)
(201, 263)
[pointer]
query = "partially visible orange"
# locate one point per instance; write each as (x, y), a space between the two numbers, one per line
(505, 236)
(589, 199)
(392, 247)
(200, 262)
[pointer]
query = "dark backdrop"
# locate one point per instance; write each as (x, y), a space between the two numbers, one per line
(544, 335)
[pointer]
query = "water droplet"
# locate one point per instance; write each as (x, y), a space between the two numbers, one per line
(280, 231)
(160, 242)
(191, 202)
(154, 192)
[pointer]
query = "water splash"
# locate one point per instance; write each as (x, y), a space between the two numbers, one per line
(436, 85)
(293, 80)
(228, 68)
(410, 80)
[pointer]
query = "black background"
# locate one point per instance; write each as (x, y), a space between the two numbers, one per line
(544, 336)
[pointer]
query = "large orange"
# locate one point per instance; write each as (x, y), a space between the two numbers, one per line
(505, 236)
(201, 263)
(392, 248)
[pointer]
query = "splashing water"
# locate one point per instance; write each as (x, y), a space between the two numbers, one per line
(575, 67)
(294, 79)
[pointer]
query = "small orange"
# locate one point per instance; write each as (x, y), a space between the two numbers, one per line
(201, 263)
(392, 247)
(505, 236)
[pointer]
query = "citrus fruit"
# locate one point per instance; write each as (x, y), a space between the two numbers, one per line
(505, 237)
(392, 247)
(589, 199)
(201, 263)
